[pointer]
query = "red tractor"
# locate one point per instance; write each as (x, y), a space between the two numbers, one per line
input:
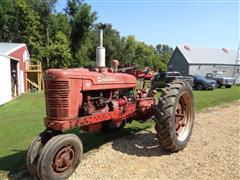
(104, 99)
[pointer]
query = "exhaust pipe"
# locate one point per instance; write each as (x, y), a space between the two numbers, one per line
(100, 50)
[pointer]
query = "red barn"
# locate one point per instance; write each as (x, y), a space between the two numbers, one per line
(14, 59)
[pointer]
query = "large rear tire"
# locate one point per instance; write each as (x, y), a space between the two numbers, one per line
(60, 157)
(174, 116)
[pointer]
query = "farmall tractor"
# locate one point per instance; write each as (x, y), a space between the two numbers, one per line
(104, 99)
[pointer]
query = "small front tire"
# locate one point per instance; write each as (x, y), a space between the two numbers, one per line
(60, 157)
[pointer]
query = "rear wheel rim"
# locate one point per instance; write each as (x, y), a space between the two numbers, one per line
(183, 117)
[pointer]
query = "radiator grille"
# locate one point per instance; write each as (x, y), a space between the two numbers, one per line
(57, 98)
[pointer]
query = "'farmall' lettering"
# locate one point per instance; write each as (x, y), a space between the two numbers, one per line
(106, 79)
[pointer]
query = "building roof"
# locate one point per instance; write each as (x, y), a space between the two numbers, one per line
(8, 48)
(203, 55)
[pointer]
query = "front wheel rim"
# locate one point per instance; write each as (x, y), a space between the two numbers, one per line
(64, 159)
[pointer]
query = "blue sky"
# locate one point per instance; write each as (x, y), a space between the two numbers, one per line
(203, 23)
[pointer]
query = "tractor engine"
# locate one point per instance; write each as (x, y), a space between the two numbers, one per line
(83, 97)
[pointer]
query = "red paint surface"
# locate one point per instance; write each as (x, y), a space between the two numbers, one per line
(18, 54)
(64, 96)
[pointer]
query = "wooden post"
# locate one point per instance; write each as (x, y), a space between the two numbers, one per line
(34, 75)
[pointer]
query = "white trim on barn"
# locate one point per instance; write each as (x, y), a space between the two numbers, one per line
(21, 83)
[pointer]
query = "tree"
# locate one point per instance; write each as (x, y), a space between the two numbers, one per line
(164, 51)
(72, 8)
(44, 9)
(72, 36)
(163, 48)
(82, 25)
(144, 53)
(59, 52)
(80, 36)
(25, 27)
(59, 23)
(130, 46)
(18, 20)
(7, 9)
(158, 64)
(20, 23)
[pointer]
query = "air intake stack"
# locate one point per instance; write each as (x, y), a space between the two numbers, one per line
(100, 51)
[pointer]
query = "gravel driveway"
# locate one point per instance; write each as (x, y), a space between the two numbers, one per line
(212, 153)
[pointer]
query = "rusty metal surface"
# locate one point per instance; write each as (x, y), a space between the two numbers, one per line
(65, 94)
(63, 159)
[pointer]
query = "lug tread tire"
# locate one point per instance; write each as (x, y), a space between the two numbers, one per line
(165, 116)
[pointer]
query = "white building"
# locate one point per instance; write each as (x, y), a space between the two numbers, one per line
(196, 60)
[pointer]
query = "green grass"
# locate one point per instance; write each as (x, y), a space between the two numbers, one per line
(22, 119)
(204, 99)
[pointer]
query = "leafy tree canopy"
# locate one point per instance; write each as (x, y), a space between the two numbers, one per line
(69, 39)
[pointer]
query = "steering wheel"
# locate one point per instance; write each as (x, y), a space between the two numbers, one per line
(134, 69)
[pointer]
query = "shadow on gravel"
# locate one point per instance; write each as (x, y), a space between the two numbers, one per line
(139, 144)
(14, 166)
(95, 140)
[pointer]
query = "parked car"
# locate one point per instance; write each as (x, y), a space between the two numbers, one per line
(201, 83)
(221, 80)
(160, 79)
